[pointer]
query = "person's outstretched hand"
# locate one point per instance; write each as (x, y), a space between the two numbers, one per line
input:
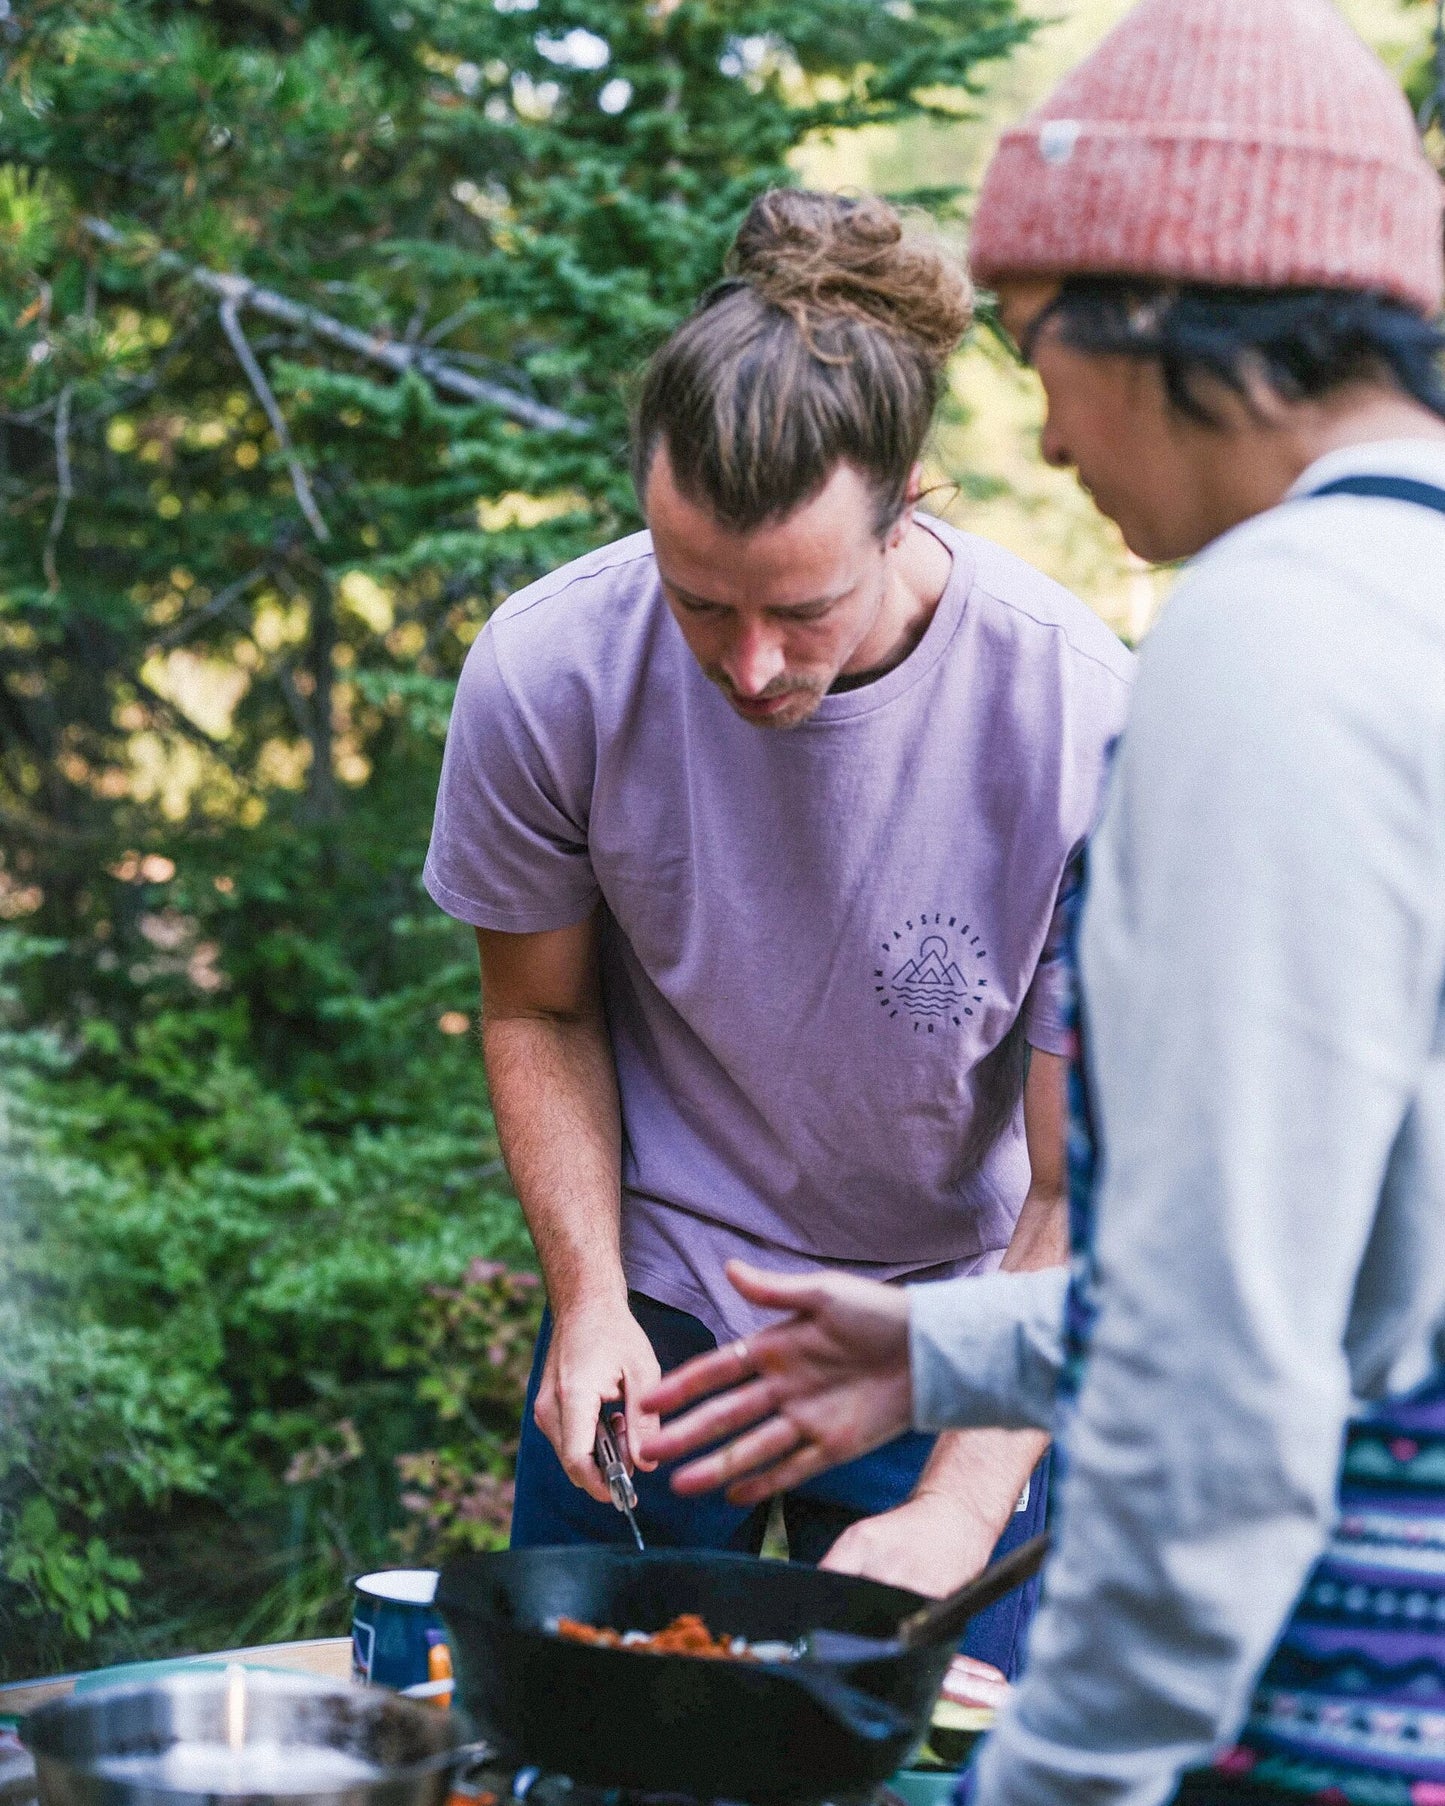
(827, 1385)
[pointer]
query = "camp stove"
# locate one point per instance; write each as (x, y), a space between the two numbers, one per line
(487, 1785)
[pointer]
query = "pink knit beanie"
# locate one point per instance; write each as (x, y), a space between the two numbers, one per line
(1248, 142)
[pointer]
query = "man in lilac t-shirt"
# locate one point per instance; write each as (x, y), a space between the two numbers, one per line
(764, 820)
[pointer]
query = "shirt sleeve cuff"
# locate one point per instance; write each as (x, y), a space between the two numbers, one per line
(563, 912)
(1050, 1036)
(1047, 1024)
(986, 1350)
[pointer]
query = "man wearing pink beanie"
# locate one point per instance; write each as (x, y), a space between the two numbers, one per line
(1219, 244)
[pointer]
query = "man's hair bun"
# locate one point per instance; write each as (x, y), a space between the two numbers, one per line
(817, 256)
(826, 344)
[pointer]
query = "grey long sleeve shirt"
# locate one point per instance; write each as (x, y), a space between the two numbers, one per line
(1263, 970)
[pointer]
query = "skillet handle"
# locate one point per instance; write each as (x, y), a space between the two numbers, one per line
(867, 1718)
(942, 1621)
(465, 1757)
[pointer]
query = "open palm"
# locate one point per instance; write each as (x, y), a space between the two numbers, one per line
(826, 1385)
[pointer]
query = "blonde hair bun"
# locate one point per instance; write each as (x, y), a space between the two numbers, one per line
(817, 256)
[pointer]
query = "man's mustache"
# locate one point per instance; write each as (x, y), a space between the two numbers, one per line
(780, 686)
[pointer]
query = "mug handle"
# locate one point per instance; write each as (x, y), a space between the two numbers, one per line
(361, 1664)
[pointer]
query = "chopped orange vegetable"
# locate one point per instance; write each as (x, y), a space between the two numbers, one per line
(686, 1635)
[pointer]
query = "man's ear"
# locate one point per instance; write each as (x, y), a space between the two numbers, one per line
(911, 497)
(1264, 403)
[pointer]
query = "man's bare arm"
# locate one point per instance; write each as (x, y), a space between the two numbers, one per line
(554, 1095)
(966, 1494)
(1041, 1234)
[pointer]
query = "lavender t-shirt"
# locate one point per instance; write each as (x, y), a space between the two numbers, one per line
(810, 937)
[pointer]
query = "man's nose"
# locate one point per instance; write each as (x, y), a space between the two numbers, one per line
(754, 659)
(1053, 446)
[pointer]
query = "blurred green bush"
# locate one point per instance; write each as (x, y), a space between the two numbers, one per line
(473, 1346)
(219, 1331)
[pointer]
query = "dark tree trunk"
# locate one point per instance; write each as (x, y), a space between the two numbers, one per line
(322, 800)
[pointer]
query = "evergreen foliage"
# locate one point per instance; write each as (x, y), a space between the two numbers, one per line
(316, 323)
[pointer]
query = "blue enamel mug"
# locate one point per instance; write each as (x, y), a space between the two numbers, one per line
(397, 1639)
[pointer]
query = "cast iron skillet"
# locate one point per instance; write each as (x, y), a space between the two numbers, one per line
(719, 1730)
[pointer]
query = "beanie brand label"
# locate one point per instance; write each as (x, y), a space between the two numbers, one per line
(1057, 138)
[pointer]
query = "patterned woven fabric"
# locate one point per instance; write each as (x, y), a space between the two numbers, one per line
(1081, 1303)
(1352, 1704)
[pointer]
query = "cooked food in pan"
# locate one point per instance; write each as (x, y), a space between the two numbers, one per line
(686, 1635)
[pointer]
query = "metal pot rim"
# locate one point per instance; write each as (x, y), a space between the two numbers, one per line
(37, 1728)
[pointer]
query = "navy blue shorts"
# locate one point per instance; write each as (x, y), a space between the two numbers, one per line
(550, 1510)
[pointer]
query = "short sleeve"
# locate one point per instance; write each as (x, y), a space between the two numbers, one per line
(509, 838)
(1049, 1013)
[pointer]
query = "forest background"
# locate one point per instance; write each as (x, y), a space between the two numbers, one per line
(318, 323)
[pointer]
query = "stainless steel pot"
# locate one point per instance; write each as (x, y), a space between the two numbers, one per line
(243, 1736)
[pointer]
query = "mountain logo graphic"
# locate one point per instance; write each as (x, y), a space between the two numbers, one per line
(934, 974)
(932, 981)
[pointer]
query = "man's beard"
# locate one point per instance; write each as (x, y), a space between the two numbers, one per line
(805, 695)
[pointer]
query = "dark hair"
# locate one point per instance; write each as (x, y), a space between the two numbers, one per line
(826, 342)
(1305, 343)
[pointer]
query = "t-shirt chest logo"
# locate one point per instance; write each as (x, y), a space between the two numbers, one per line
(932, 974)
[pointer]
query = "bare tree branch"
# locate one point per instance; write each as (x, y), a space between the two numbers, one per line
(416, 322)
(301, 712)
(218, 604)
(64, 486)
(176, 715)
(375, 347)
(48, 831)
(256, 376)
(30, 416)
(313, 716)
(435, 334)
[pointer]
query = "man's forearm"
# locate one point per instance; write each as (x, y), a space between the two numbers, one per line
(554, 1094)
(982, 1473)
(554, 1097)
(1041, 1235)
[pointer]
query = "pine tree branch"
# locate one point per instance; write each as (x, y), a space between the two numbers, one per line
(375, 347)
(256, 376)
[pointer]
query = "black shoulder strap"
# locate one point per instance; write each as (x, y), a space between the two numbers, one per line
(1392, 489)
